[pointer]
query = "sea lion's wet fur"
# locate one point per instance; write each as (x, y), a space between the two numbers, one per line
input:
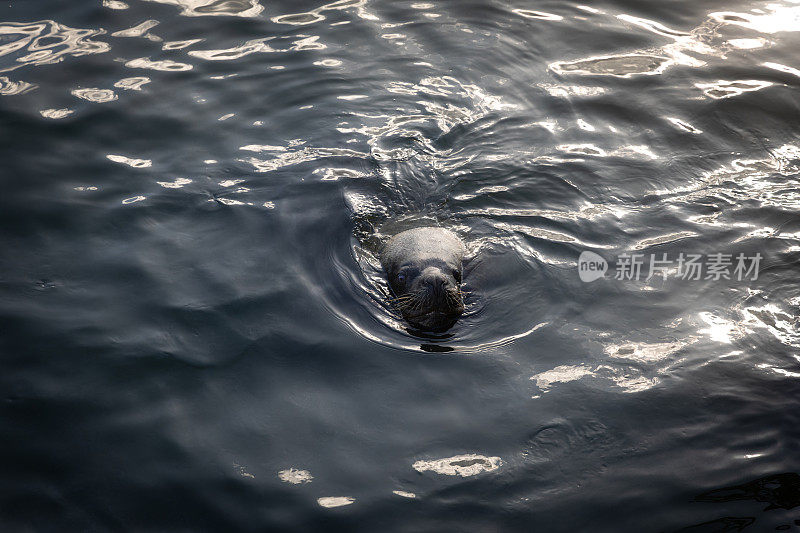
(423, 268)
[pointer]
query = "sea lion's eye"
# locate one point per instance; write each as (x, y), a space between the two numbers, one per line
(457, 276)
(401, 277)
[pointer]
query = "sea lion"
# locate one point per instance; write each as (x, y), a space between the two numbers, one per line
(423, 268)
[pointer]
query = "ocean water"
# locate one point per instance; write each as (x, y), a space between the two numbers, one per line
(194, 328)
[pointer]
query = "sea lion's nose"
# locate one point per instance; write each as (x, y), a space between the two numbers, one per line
(434, 279)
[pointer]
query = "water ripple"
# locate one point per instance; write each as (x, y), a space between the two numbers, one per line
(335, 501)
(295, 476)
(177, 45)
(45, 42)
(95, 95)
(460, 465)
(685, 126)
(315, 15)
(303, 155)
(298, 19)
(130, 161)
(205, 8)
(164, 64)
(777, 18)
(176, 184)
(782, 68)
(541, 15)
(56, 113)
(227, 54)
(623, 66)
(704, 40)
(728, 89)
(9, 87)
(140, 30)
(132, 84)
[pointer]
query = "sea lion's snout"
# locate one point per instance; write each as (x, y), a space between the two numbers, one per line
(440, 291)
(433, 300)
(434, 281)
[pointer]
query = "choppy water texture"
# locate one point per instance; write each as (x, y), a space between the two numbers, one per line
(195, 332)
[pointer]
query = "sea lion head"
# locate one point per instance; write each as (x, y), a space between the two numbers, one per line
(423, 268)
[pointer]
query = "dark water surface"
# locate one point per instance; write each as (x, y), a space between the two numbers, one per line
(195, 334)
